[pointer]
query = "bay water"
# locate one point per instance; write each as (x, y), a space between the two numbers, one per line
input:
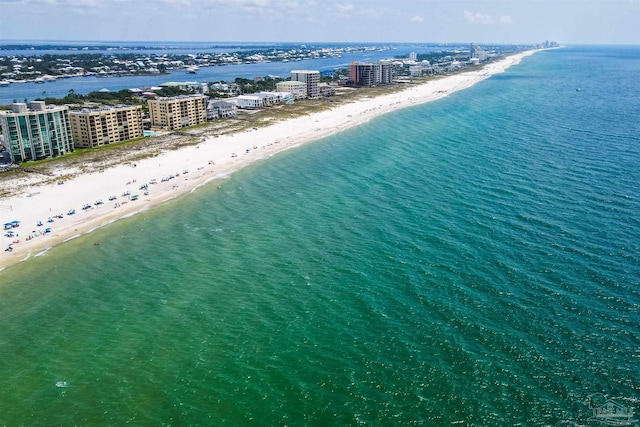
(83, 85)
(473, 261)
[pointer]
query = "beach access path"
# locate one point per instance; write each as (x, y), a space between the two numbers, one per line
(176, 173)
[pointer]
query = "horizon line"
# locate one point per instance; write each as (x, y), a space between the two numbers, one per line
(264, 42)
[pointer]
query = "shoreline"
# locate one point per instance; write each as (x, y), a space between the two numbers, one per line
(191, 167)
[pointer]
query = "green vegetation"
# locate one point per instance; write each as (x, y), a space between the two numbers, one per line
(267, 84)
(81, 63)
(76, 100)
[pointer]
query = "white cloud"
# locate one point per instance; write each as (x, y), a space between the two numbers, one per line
(243, 5)
(417, 19)
(376, 12)
(179, 2)
(264, 9)
(82, 7)
(267, 11)
(62, 3)
(506, 19)
(477, 18)
(344, 8)
(249, 4)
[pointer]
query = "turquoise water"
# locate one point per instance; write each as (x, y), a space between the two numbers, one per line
(473, 261)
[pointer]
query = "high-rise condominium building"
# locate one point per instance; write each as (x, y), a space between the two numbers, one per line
(36, 131)
(178, 112)
(370, 73)
(478, 53)
(311, 78)
(94, 128)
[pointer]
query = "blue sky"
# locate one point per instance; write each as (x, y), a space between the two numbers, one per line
(423, 21)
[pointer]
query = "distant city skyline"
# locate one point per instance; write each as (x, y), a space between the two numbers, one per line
(420, 21)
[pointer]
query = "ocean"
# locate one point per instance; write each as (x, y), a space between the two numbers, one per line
(474, 261)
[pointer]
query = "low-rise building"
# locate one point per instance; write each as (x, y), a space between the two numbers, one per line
(178, 111)
(454, 66)
(415, 70)
(109, 125)
(264, 99)
(277, 97)
(220, 110)
(268, 98)
(298, 89)
(228, 88)
(250, 102)
(326, 90)
(219, 86)
(36, 131)
(182, 85)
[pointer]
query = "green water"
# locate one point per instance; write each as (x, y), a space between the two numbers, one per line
(473, 261)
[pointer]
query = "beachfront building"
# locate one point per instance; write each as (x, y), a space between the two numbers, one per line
(298, 89)
(454, 66)
(419, 68)
(264, 99)
(220, 110)
(423, 67)
(36, 131)
(268, 98)
(284, 97)
(271, 98)
(178, 111)
(478, 52)
(326, 90)
(109, 125)
(310, 78)
(250, 102)
(370, 73)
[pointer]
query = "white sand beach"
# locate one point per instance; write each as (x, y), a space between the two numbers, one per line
(189, 168)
